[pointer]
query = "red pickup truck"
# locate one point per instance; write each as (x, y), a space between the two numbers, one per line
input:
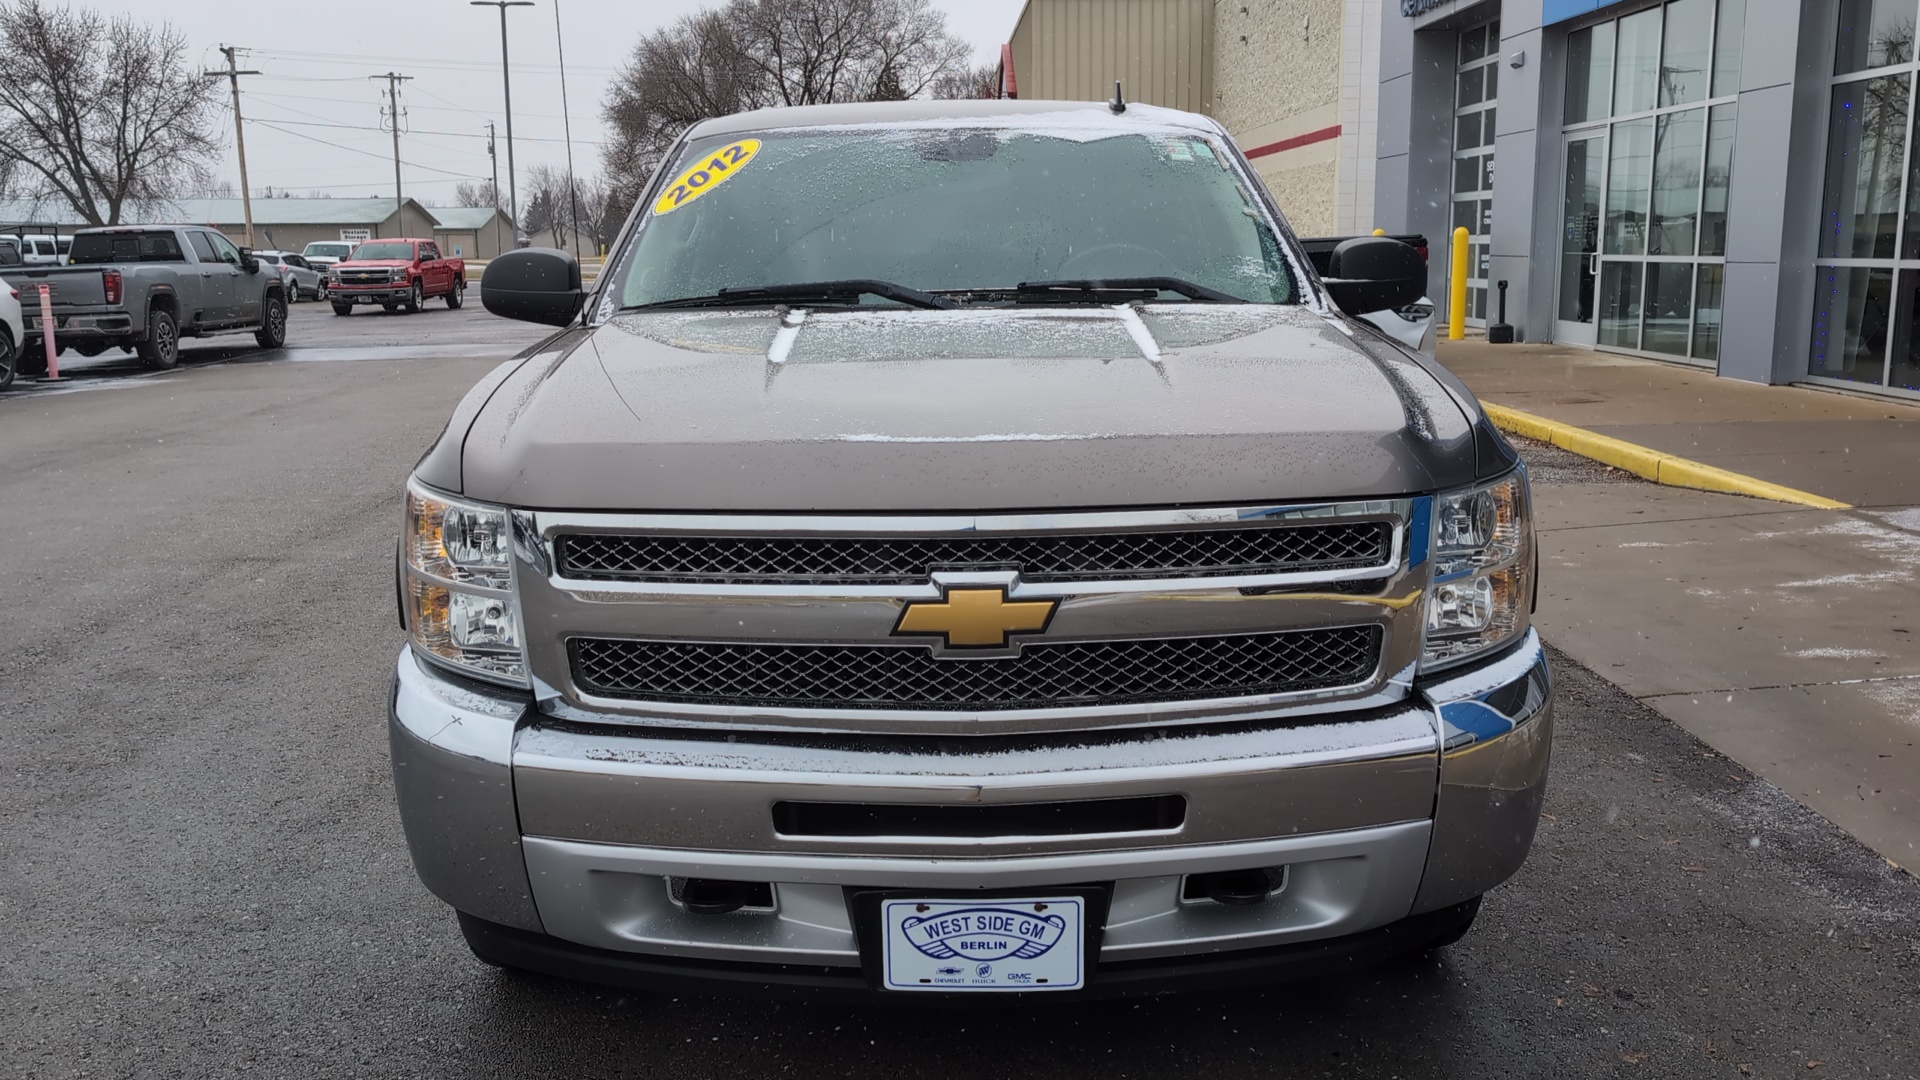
(393, 273)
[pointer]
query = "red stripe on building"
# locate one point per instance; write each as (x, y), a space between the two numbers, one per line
(1295, 143)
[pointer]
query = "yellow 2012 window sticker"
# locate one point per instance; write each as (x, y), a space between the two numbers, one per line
(710, 172)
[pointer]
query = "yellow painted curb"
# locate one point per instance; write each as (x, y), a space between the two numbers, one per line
(1658, 467)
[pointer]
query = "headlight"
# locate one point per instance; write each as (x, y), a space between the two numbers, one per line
(1482, 592)
(459, 587)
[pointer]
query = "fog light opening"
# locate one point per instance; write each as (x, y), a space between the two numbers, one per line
(1238, 888)
(711, 896)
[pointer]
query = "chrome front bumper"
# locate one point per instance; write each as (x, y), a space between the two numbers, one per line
(573, 831)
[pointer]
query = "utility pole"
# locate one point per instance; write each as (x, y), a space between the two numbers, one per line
(566, 121)
(393, 113)
(233, 74)
(493, 193)
(506, 81)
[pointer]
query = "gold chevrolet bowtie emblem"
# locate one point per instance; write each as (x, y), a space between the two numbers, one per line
(976, 617)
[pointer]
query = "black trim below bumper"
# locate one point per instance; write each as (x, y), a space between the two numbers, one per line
(507, 947)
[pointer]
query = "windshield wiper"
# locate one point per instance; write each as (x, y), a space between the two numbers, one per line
(848, 292)
(1145, 288)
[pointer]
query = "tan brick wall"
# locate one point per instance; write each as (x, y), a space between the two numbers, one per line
(1306, 194)
(1274, 58)
(1276, 75)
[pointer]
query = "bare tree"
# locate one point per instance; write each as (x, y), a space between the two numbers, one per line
(101, 113)
(751, 54)
(478, 193)
(975, 82)
(550, 207)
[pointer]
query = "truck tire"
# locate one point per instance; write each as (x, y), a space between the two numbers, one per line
(161, 350)
(8, 363)
(459, 294)
(414, 298)
(273, 324)
(342, 309)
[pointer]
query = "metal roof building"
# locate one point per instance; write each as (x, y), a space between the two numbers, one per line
(291, 224)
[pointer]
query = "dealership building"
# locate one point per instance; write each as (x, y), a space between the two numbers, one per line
(1730, 184)
(1726, 183)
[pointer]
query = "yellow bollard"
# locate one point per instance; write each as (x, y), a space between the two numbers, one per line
(1379, 232)
(1457, 288)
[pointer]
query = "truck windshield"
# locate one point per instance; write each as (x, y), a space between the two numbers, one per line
(328, 251)
(384, 251)
(94, 248)
(953, 210)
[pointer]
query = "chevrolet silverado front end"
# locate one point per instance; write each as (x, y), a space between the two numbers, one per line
(1100, 611)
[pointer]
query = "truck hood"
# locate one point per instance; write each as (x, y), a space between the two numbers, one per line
(910, 410)
(391, 264)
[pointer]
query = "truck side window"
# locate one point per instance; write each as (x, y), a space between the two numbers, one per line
(202, 247)
(224, 249)
(429, 251)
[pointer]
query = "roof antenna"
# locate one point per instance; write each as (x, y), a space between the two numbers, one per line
(1118, 104)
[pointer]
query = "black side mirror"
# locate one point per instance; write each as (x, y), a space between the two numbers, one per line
(1375, 273)
(247, 262)
(539, 285)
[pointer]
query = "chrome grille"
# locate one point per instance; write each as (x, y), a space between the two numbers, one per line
(365, 277)
(1043, 675)
(899, 560)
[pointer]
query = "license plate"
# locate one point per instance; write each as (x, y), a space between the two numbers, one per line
(984, 945)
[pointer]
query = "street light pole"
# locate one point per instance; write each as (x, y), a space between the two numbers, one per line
(506, 82)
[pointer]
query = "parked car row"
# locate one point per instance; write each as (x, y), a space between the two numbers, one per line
(39, 249)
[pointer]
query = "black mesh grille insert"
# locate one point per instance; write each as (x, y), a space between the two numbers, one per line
(890, 560)
(1044, 675)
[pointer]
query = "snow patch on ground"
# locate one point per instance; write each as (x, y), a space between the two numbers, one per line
(1838, 654)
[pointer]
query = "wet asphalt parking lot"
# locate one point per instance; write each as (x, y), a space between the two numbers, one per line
(205, 876)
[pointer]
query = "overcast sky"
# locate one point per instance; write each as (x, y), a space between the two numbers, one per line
(314, 91)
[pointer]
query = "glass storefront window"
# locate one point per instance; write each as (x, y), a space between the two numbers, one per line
(1863, 312)
(1472, 86)
(1476, 89)
(1903, 367)
(1473, 44)
(1708, 303)
(1728, 27)
(1620, 304)
(1852, 305)
(1866, 145)
(1683, 61)
(1626, 229)
(1590, 73)
(1713, 199)
(1669, 308)
(1637, 66)
(1650, 93)
(1873, 34)
(1676, 183)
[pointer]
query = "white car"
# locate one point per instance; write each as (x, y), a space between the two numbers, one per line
(44, 249)
(13, 334)
(322, 254)
(302, 280)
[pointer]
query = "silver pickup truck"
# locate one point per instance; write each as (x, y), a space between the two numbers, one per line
(146, 287)
(963, 547)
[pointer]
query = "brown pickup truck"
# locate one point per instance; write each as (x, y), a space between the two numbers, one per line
(396, 273)
(964, 547)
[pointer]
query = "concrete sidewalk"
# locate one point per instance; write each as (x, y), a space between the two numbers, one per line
(1855, 449)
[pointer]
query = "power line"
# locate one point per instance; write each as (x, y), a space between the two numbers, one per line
(450, 107)
(410, 131)
(357, 150)
(361, 59)
(394, 79)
